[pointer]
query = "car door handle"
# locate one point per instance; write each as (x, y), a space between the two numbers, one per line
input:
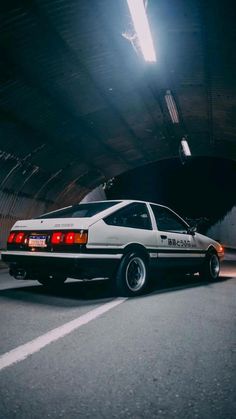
(163, 236)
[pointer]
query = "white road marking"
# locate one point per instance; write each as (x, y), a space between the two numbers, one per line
(24, 351)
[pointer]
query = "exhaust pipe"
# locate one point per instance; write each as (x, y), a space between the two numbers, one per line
(20, 274)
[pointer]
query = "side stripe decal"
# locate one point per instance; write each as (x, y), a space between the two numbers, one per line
(106, 251)
(177, 251)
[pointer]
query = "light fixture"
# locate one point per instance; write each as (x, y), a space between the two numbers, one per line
(172, 108)
(184, 150)
(141, 25)
(185, 147)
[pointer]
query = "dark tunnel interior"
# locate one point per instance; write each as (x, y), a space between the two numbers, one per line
(201, 190)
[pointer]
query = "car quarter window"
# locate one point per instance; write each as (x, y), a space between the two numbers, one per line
(133, 216)
(167, 221)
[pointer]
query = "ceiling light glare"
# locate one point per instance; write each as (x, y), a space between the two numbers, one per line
(142, 29)
(170, 103)
(185, 148)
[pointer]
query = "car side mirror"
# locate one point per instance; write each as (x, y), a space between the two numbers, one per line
(192, 230)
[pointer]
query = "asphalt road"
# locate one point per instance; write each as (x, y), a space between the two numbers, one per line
(168, 354)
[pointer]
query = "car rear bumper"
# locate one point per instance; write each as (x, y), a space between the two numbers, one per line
(74, 265)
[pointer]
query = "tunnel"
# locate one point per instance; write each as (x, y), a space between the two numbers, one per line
(81, 108)
(122, 308)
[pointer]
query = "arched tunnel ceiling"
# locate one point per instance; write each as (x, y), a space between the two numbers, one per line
(79, 105)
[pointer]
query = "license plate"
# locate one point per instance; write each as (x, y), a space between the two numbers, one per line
(37, 241)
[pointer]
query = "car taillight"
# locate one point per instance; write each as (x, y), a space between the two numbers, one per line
(81, 238)
(70, 237)
(11, 237)
(57, 237)
(19, 237)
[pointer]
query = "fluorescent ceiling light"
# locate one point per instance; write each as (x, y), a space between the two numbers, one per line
(185, 148)
(171, 105)
(142, 29)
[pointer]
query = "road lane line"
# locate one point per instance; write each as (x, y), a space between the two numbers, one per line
(24, 351)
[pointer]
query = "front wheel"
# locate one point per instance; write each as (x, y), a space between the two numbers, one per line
(211, 267)
(132, 275)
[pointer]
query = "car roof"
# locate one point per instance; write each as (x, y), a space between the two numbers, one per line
(120, 202)
(128, 201)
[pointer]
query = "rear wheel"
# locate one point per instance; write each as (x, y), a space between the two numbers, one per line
(211, 267)
(132, 275)
(52, 281)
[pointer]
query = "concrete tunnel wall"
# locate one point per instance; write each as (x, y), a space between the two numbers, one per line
(225, 230)
(13, 208)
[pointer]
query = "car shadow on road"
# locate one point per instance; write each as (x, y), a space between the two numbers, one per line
(179, 282)
(77, 293)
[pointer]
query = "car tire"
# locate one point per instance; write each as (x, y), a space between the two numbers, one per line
(132, 275)
(52, 281)
(211, 267)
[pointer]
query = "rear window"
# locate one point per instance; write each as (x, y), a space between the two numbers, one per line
(80, 210)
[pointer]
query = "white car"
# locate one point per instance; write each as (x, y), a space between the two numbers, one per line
(121, 240)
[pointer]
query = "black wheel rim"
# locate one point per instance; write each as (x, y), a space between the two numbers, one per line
(214, 266)
(135, 274)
